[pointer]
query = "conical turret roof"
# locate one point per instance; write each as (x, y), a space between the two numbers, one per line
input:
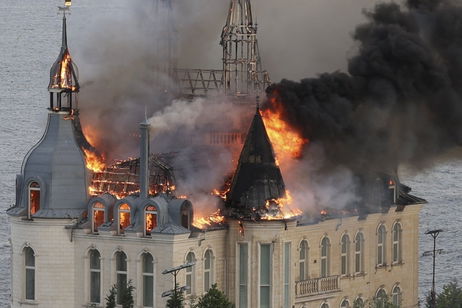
(258, 179)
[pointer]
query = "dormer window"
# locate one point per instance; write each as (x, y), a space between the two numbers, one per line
(185, 217)
(98, 216)
(34, 198)
(124, 217)
(150, 219)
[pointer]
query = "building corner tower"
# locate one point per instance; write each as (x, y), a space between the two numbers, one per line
(51, 195)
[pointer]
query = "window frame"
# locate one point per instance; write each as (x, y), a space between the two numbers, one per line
(191, 272)
(359, 254)
(397, 243)
(262, 284)
(146, 212)
(29, 269)
(95, 208)
(381, 246)
(94, 270)
(325, 259)
(208, 271)
(120, 211)
(245, 285)
(399, 296)
(144, 274)
(303, 273)
(119, 272)
(343, 302)
(345, 255)
(31, 189)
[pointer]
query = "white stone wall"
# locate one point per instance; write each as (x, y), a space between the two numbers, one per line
(54, 263)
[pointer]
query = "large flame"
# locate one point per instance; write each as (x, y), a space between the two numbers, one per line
(94, 162)
(287, 142)
(203, 222)
(280, 208)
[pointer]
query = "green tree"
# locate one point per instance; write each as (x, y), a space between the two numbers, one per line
(176, 299)
(450, 297)
(111, 298)
(126, 295)
(214, 298)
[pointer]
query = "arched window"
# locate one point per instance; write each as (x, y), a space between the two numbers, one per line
(98, 216)
(325, 305)
(95, 276)
(359, 253)
(148, 280)
(150, 219)
(124, 217)
(303, 262)
(325, 255)
(34, 198)
(185, 217)
(396, 296)
(345, 304)
(345, 255)
(190, 273)
(381, 298)
(359, 303)
(381, 242)
(29, 264)
(397, 236)
(121, 272)
(208, 270)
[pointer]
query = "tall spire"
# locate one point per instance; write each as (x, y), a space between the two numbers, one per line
(242, 69)
(258, 179)
(63, 75)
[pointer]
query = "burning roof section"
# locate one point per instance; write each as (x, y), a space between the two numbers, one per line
(64, 73)
(258, 179)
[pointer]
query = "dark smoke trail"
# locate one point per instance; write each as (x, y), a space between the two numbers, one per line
(400, 101)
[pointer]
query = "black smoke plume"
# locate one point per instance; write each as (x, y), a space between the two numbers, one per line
(401, 100)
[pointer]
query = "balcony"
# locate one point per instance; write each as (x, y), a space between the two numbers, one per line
(317, 286)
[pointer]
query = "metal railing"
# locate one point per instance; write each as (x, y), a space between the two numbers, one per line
(317, 286)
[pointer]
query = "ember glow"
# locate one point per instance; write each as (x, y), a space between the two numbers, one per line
(203, 222)
(287, 143)
(63, 77)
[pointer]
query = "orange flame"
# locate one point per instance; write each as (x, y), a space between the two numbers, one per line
(284, 210)
(204, 222)
(287, 143)
(95, 162)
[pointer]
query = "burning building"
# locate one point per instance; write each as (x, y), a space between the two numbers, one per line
(79, 227)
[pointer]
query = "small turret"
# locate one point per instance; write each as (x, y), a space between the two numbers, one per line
(64, 82)
(242, 70)
(257, 179)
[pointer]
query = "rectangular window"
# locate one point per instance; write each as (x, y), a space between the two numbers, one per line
(30, 283)
(243, 274)
(148, 285)
(287, 247)
(265, 276)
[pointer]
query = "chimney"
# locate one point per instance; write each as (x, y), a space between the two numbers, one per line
(144, 159)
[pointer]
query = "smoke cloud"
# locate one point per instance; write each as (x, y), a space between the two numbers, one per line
(399, 103)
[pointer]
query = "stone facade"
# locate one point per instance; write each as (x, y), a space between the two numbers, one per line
(63, 274)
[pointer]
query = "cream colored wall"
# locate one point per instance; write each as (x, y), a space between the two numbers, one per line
(54, 262)
(366, 285)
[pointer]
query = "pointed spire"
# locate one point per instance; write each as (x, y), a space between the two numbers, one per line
(257, 178)
(64, 32)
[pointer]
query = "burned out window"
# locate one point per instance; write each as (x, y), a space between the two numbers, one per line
(29, 264)
(34, 198)
(98, 216)
(95, 276)
(150, 219)
(124, 217)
